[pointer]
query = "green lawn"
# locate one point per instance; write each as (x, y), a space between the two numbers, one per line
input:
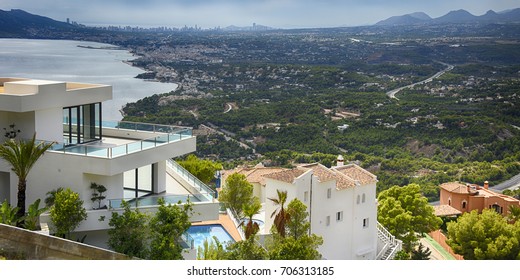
(439, 248)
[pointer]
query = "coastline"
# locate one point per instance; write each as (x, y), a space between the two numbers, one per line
(114, 48)
(80, 64)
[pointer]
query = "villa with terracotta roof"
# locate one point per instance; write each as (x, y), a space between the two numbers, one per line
(468, 197)
(341, 202)
(254, 176)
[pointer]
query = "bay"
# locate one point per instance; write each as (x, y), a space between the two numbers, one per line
(63, 60)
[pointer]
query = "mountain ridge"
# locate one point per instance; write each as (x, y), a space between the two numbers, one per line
(19, 23)
(455, 16)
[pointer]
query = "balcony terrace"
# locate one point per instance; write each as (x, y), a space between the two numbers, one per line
(124, 146)
(122, 138)
(181, 187)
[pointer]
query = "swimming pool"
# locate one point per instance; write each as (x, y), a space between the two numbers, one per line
(203, 232)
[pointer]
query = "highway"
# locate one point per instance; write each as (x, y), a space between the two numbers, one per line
(392, 93)
(513, 183)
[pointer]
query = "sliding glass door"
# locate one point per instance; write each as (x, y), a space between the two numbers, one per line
(82, 123)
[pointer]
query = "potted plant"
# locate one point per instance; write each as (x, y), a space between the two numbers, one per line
(97, 195)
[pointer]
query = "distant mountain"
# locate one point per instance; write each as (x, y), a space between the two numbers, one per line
(420, 15)
(18, 23)
(458, 16)
(407, 19)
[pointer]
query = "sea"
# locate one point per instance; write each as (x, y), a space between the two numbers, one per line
(80, 61)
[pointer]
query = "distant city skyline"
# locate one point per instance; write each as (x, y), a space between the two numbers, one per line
(223, 13)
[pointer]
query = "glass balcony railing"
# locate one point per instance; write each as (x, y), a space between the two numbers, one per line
(187, 241)
(205, 193)
(135, 126)
(164, 135)
(145, 201)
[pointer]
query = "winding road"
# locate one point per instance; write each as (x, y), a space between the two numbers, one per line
(513, 183)
(393, 92)
(229, 107)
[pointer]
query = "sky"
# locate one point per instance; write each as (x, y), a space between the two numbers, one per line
(223, 13)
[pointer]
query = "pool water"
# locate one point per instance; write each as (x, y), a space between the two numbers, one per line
(203, 232)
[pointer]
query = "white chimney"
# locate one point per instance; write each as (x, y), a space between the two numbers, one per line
(340, 161)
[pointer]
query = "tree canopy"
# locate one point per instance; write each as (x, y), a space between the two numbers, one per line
(129, 232)
(67, 212)
(486, 236)
(405, 212)
(151, 236)
(248, 249)
(236, 193)
(167, 226)
(203, 169)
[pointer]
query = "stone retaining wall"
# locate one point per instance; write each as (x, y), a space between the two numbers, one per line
(32, 245)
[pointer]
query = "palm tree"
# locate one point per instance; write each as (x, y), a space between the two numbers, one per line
(281, 216)
(514, 213)
(51, 197)
(22, 155)
(249, 211)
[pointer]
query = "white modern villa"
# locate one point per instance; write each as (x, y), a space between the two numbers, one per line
(341, 202)
(132, 160)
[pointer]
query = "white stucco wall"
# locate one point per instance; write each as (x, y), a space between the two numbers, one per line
(48, 124)
(365, 246)
(34, 95)
(270, 192)
(344, 239)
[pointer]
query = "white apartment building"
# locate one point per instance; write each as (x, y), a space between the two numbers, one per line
(341, 202)
(132, 160)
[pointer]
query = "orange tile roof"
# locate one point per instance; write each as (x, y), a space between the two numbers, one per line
(323, 173)
(445, 210)
(357, 173)
(286, 175)
(458, 187)
(344, 182)
(345, 176)
(253, 175)
(455, 187)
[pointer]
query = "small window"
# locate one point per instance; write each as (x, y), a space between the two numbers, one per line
(365, 223)
(464, 205)
(358, 199)
(327, 221)
(305, 196)
(329, 193)
(339, 216)
(363, 199)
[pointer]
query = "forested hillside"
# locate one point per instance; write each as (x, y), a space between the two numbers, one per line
(310, 96)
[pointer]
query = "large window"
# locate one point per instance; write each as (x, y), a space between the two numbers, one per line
(82, 123)
(139, 182)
